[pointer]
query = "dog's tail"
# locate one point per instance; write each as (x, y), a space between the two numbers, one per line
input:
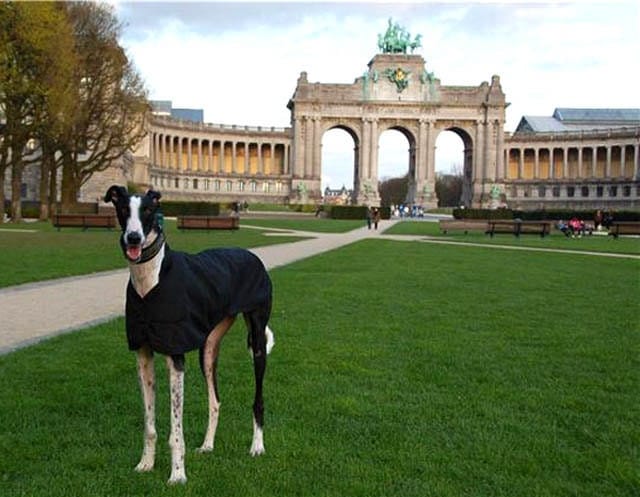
(270, 340)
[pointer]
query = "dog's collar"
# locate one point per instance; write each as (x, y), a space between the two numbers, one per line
(151, 251)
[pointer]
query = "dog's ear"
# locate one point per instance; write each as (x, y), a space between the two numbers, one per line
(115, 193)
(154, 196)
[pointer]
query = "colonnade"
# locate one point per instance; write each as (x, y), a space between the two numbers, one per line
(572, 161)
(218, 156)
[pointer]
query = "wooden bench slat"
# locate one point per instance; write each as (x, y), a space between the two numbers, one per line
(84, 221)
(624, 228)
(209, 222)
(518, 228)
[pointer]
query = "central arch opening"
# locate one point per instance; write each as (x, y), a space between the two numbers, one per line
(395, 166)
(339, 165)
(453, 167)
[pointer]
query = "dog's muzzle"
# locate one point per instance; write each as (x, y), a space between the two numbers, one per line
(132, 246)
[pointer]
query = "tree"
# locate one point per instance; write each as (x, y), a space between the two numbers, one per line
(111, 103)
(31, 42)
(448, 189)
(394, 190)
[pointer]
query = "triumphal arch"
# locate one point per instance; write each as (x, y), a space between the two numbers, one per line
(398, 92)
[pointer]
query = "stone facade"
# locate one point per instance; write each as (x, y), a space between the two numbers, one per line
(581, 167)
(398, 93)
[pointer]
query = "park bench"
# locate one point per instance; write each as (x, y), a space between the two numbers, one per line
(624, 228)
(84, 221)
(465, 225)
(208, 222)
(518, 228)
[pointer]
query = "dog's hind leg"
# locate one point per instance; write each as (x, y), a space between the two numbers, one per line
(175, 365)
(257, 323)
(146, 375)
(208, 363)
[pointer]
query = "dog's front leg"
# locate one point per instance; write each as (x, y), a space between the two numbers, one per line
(146, 375)
(175, 365)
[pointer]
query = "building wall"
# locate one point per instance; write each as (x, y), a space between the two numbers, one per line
(585, 169)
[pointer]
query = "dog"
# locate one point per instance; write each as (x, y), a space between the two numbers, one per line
(178, 302)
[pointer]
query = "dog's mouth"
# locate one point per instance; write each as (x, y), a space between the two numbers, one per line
(133, 252)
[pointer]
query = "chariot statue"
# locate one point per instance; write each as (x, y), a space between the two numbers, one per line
(397, 39)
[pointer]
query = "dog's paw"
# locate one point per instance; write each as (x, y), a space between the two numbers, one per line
(204, 449)
(257, 448)
(177, 478)
(144, 465)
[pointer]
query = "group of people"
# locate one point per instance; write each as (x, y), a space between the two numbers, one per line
(373, 217)
(404, 210)
(576, 227)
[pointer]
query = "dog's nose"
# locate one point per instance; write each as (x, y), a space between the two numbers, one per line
(134, 238)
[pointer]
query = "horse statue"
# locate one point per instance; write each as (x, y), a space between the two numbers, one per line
(397, 40)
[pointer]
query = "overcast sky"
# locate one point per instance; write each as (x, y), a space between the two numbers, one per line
(240, 61)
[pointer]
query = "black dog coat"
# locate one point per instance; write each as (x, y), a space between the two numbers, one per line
(195, 293)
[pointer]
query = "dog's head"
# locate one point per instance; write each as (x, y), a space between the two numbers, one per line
(138, 216)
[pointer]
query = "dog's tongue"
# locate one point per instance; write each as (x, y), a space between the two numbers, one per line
(134, 252)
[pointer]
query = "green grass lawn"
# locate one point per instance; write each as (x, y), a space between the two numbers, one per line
(316, 225)
(37, 251)
(400, 369)
(557, 240)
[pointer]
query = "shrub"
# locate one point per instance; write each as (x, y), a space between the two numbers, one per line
(178, 208)
(349, 212)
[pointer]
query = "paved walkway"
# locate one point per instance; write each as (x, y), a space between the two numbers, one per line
(36, 311)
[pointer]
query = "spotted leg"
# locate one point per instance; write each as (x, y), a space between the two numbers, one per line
(146, 375)
(175, 365)
(209, 362)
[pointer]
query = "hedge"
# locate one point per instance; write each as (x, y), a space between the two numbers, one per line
(354, 212)
(172, 208)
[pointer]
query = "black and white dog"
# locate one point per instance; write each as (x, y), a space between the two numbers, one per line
(178, 302)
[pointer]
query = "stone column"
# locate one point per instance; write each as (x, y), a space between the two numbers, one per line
(536, 163)
(479, 152)
(373, 171)
(221, 158)
(499, 172)
(421, 153)
(285, 162)
(189, 154)
(180, 153)
(234, 160)
(552, 166)
(317, 148)
(210, 163)
(260, 167)
(247, 167)
(636, 161)
(154, 149)
(623, 150)
(273, 158)
(200, 164)
(308, 146)
(365, 149)
(594, 161)
(565, 163)
(431, 153)
(607, 170)
(521, 163)
(580, 172)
